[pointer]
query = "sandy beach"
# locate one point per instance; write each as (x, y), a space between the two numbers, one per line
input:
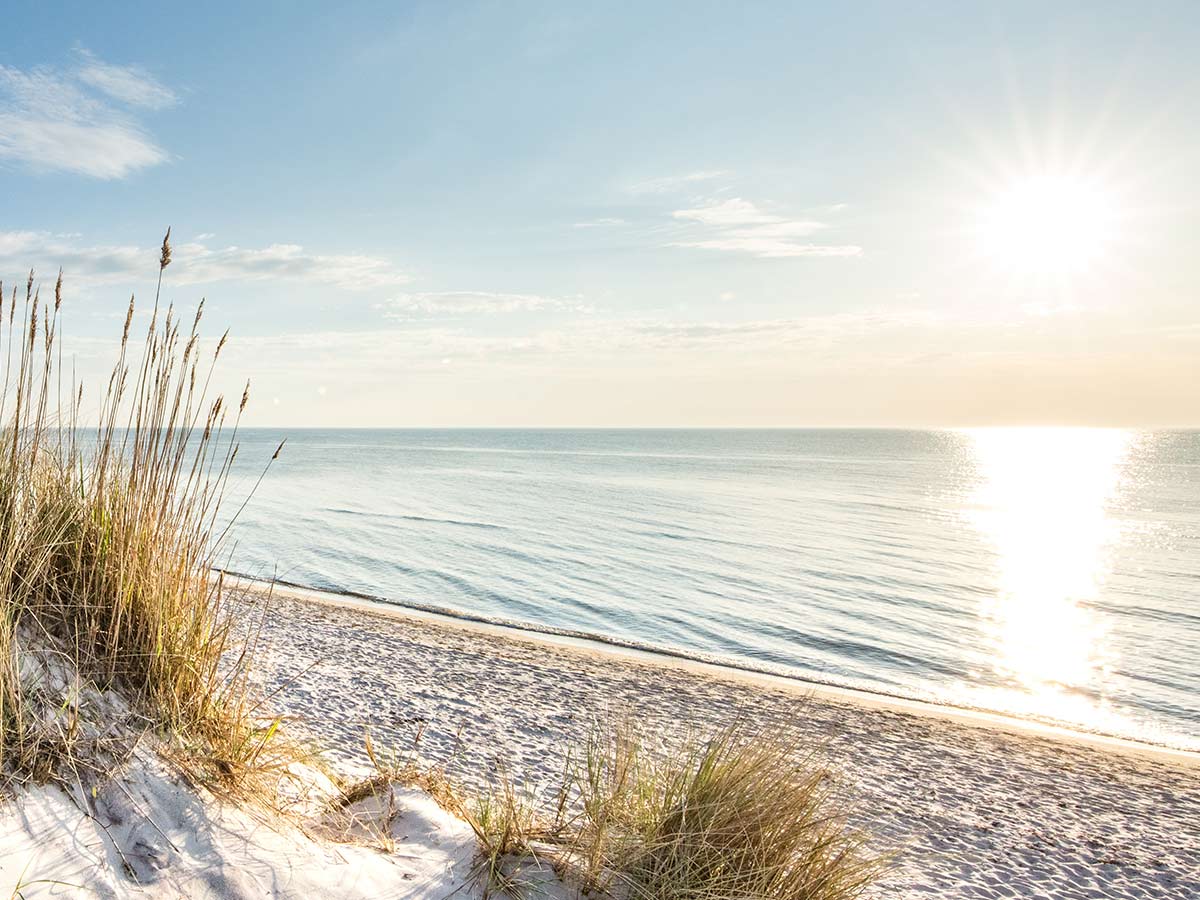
(972, 807)
(600, 451)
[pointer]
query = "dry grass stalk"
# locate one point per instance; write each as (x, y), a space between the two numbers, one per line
(107, 538)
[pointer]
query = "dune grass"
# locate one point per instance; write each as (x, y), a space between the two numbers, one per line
(108, 533)
(742, 814)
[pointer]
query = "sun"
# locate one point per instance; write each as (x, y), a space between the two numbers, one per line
(1048, 224)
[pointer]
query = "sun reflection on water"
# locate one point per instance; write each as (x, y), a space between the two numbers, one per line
(1042, 503)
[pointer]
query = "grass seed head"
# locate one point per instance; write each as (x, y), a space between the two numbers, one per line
(164, 258)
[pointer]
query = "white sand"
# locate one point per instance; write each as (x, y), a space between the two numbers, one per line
(129, 824)
(975, 806)
(146, 834)
(978, 807)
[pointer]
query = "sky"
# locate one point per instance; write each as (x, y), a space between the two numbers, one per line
(654, 214)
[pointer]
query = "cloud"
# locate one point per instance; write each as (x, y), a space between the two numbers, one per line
(818, 343)
(198, 263)
(742, 227)
(771, 248)
(589, 343)
(78, 119)
(193, 263)
(753, 336)
(671, 183)
(131, 85)
(734, 211)
(44, 251)
(458, 303)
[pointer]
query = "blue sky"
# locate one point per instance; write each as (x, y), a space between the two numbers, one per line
(652, 214)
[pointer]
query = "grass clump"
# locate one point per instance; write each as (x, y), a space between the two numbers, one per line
(510, 834)
(744, 814)
(108, 534)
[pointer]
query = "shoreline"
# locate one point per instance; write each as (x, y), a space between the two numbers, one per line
(597, 646)
(965, 805)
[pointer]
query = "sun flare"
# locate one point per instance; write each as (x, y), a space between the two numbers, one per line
(1048, 224)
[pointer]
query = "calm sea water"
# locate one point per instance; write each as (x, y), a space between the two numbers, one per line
(1047, 573)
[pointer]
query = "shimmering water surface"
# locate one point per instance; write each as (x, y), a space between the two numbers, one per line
(1047, 573)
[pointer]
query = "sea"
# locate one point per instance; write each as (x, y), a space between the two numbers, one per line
(1050, 574)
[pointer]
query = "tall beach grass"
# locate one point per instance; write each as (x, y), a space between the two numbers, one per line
(108, 533)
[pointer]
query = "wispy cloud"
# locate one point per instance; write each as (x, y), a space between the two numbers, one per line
(734, 211)
(200, 263)
(79, 119)
(459, 303)
(194, 262)
(670, 183)
(587, 342)
(44, 251)
(739, 226)
(771, 247)
(751, 336)
(874, 367)
(131, 85)
(864, 336)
